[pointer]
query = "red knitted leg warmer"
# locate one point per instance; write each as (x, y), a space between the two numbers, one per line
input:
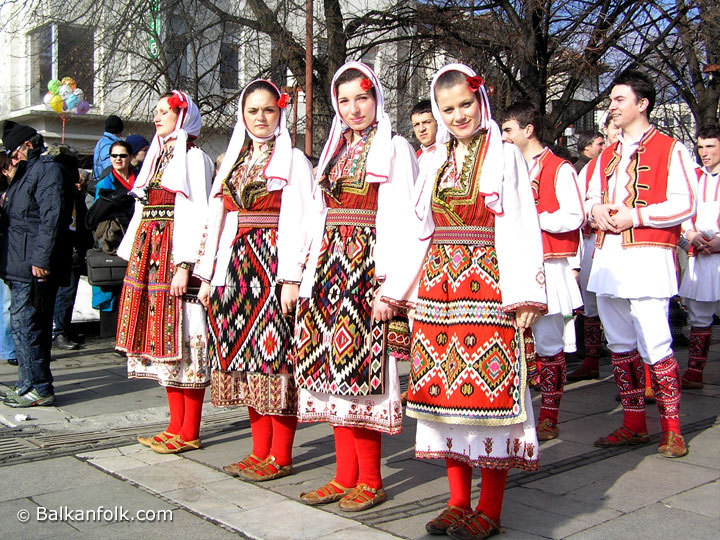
(665, 378)
(630, 379)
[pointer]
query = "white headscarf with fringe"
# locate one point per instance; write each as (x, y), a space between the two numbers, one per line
(379, 157)
(277, 170)
(491, 175)
(174, 177)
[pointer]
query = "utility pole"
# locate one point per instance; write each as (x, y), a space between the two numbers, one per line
(308, 76)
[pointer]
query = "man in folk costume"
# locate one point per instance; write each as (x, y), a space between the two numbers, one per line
(700, 287)
(642, 190)
(425, 128)
(592, 328)
(560, 211)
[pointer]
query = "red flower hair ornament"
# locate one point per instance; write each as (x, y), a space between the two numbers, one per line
(176, 102)
(366, 84)
(283, 101)
(475, 82)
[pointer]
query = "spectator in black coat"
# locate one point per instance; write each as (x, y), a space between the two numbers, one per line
(35, 255)
(81, 240)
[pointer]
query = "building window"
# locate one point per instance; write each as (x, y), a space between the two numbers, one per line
(229, 62)
(76, 57)
(41, 61)
(62, 51)
(176, 51)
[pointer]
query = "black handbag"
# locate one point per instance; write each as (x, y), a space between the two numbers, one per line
(105, 270)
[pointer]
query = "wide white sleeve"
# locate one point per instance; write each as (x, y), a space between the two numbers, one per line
(394, 208)
(211, 234)
(517, 238)
(570, 215)
(128, 240)
(296, 210)
(681, 200)
(191, 211)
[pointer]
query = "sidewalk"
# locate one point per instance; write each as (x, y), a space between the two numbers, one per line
(82, 454)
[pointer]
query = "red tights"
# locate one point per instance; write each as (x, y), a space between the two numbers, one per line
(357, 457)
(272, 435)
(492, 488)
(185, 412)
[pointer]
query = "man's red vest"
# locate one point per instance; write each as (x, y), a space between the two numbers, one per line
(555, 245)
(647, 184)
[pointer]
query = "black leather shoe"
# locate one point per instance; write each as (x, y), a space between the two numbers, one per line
(12, 361)
(64, 343)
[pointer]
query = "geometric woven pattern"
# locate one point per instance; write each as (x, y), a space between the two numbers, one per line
(340, 349)
(246, 328)
(149, 318)
(467, 357)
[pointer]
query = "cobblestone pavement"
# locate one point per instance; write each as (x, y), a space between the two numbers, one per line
(77, 471)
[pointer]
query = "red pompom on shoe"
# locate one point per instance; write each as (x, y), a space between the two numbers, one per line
(366, 84)
(475, 82)
(177, 102)
(283, 101)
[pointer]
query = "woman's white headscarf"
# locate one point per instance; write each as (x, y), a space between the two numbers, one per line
(491, 175)
(277, 170)
(187, 125)
(377, 165)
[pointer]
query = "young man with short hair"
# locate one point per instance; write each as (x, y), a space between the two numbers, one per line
(425, 128)
(590, 145)
(643, 188)
(700, 287)
(560, 211)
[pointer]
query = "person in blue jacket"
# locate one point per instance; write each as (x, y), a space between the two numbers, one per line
(101, 159)
(35, 255)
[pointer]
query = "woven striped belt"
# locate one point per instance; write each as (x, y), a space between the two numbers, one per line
(258, 220)
(351, 216)
(473, 236)
(158, 213)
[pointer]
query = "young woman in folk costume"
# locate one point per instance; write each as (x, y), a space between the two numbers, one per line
(481, 286)
(254, 243)
(161, 324)
(346, 338)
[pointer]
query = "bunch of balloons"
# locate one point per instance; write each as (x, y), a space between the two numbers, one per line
(64, 96)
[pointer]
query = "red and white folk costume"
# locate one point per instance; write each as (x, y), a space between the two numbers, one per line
(254, 240)
(633, 273)
(700, 287)
(163, 335)
(591, 320)
(560, 211)
(346, 368)
(478, 257)
(425, 155)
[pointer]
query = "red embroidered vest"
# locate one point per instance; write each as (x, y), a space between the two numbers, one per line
(555, 245)
(648, 172)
